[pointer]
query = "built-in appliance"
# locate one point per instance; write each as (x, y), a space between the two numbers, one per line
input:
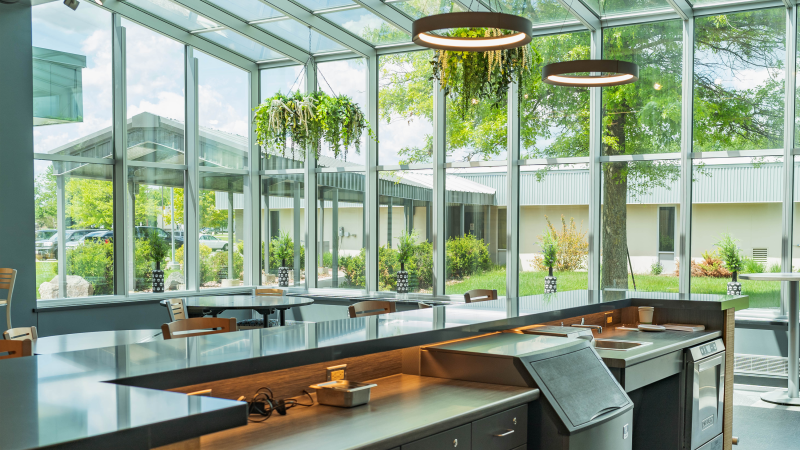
(581, 404)
(703, 394)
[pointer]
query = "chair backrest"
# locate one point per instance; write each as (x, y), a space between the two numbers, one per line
(371, 308)
(203, 326)
(270, 292)
(480, 295)
(21, 333)
(176, 309)
(15, 349)
(7, 278)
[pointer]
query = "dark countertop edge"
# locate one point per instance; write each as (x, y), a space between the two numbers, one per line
(453, 421)
(738, 303)
(158, 434)
(622, 363)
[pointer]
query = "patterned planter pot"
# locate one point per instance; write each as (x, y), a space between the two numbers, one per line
(734, 288)
(402, 282)
(283, 276)
(550, 285)
(158, 280)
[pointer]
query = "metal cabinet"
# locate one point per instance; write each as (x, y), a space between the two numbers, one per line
(459, 438)
(502, 431)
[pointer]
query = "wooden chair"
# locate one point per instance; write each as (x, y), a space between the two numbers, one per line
(7, 278)
(205, 325)
(177, 311)
(269, 292)
(21, 333)
(371, 308)
(480, 295)
(15, 349)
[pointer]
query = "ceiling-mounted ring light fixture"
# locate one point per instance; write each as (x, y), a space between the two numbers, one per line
(609, 73)
(421, 31)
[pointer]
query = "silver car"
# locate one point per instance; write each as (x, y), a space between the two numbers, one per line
(213, 243)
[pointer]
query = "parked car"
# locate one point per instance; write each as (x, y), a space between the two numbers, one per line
(178, 235)
(143, 232)
(213, 243)
(95, 236)
(44, 234)
(48, 248)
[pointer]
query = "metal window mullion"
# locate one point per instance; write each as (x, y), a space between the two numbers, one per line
(61, 252)
(310, 192)
(595, 174)
(372, 216)
(191, 192)
(119, 135)
(252, 197)
(788, 158)
(439, 197)
(687, 121)
(512, 197)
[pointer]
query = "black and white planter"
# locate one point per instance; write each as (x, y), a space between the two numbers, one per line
(402, 280)
(158, 279)
(550, 285)
(283, 275)
(734, 288)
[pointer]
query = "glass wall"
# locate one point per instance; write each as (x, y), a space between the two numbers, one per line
(348, 78)
(404, 229)
(640, 210)
(739, 70)
(554, 206)
(474, 259)
(405, 104)
(221, 237)
(282, 228)
(644, 117)
(341, 241)
(737, 202)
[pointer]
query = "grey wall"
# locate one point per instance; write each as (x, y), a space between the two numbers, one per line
(16, 159)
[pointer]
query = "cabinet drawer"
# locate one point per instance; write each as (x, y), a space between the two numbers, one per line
(502, 431)
(455, 438)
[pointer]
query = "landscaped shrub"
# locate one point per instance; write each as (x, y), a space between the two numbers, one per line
(710, 266)
(94, 262)
(388, 266)
(573, 247)
(142, 267)
(327, 259)
(730, 253)
(206, 270)
(775, 268)
(656, 268)
(276, 255)
(466, 255)
(354, 268)
(750, 265)
(219, 260)
(423, 264)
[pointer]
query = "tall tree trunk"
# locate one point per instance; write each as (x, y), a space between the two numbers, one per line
(615, 212)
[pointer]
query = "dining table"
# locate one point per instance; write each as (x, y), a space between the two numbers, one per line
(262, 304)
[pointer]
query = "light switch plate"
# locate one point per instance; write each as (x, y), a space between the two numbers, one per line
(625, 431)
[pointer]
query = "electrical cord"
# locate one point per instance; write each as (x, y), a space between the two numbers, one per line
(264, 404)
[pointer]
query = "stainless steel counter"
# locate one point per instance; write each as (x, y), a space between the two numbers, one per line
(63, 398)
(661, 343)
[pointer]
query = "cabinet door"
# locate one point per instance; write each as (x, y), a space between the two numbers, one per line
(502, 431)
(456, 438)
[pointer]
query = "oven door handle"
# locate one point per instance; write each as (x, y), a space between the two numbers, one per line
(712, 362)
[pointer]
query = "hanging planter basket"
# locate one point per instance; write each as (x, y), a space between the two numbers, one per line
(479, 76)
(298, 123)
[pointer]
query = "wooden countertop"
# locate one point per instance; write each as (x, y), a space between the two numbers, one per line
(402, 408)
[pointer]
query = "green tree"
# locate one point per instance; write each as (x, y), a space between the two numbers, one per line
(90, 203)
(44, 194)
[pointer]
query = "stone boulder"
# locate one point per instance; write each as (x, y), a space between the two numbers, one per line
(174, 281)
(76, 287)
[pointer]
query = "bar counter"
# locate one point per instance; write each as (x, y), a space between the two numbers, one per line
(62, 400)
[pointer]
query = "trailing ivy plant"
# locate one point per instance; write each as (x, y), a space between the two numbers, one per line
(300, 122)
(480, 76)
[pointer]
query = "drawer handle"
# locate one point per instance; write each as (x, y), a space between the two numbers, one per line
(455, 442)
(507, 433)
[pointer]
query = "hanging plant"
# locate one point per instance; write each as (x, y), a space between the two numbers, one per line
(300, 122)
(479, 76)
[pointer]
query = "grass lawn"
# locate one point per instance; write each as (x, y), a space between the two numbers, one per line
(45, 271)
(762, 294)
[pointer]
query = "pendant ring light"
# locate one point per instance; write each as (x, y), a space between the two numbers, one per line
(421, 31)
(610, 73)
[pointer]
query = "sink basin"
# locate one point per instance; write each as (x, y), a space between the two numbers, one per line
(613, 344)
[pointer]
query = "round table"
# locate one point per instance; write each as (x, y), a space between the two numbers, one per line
(97, 339)
(262, 304)
(791, 395)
